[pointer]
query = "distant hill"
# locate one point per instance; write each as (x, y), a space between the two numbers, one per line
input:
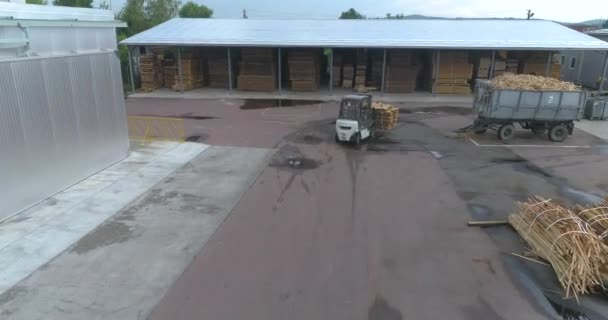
(594, 22)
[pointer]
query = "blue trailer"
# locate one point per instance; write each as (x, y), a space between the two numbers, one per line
(552, 112)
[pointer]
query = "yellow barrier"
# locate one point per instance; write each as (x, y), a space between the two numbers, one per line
(156, 128)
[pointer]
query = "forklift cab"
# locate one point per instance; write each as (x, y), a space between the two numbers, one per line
(355, 119)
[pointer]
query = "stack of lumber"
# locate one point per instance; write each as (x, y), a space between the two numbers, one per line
(150, 71)
(217, 68)
(454, 74)
(385, 115)
(536, 64)
(485, 65)
(304, 69)
(532, 83)
(375, 79)
(257, 70)
(192, 71)
(401, 72)
(512, 66)
(348, 74)
(500, 68)
(361, 69)
(336, 70)
(169, 74)
(571, 240)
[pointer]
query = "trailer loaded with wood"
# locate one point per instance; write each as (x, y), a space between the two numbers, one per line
(543, 105)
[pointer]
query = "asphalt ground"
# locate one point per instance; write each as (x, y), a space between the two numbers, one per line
(376, 231)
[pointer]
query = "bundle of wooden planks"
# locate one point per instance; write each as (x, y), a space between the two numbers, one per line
(376, 69)
(385, 115)
(257, 70)
(571, 240)
(361, 68)
(150, 71)
(536, 64)
(192, 64)
(217, 67)
(454, 74)
(304, 69)
(401, 72)
(336, 69)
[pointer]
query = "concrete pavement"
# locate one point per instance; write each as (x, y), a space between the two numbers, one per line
(122, 268)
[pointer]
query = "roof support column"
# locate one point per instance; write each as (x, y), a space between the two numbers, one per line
(492, 64)
(280, 80)
(131, 70)
(229, 71)
(331, 71)
(180, 70)
(581, 60)
(603, 75)
(383, 71)
(548, 69)
(436, 71)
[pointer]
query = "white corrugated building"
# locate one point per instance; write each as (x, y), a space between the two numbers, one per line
(62, 112)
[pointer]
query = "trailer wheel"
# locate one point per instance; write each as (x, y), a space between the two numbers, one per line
(558, 133)
(506, 132)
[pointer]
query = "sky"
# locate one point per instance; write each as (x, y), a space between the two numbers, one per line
(330, 9)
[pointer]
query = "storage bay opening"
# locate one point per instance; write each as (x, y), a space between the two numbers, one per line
(331, 57)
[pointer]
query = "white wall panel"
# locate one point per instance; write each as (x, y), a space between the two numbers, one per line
(61, 120)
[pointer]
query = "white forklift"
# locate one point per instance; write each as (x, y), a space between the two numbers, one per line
(356, 119)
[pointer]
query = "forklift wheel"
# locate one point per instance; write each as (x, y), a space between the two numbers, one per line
(357, 139)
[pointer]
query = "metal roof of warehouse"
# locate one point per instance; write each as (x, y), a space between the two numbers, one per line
(369, 33)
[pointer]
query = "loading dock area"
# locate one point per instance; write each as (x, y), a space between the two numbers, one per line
(321, 58)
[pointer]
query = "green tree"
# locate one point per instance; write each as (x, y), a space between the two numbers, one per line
(42, 2)
(159, 11)
(351, 14)
(134, 14)
(74, 3)
(105, 5)
(193, 10)
(398, 16)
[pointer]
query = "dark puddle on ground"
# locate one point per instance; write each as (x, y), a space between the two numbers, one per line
(253, 104)
(197, 138)
(290, 157)
(381, 310)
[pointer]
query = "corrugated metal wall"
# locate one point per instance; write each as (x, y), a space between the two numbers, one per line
(61, 120)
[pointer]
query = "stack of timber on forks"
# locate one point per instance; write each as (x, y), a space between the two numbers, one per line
(401, 72)
(304, 69)
(573, 241)
(385, 115)
(150, 71)
(454, 74)
(257, 70)
(217, 67)
(361, 68)
(536, 64)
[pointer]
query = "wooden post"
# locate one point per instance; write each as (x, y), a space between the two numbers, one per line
(180, 70)
(383, 71)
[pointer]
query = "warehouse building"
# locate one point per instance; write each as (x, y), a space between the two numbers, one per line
(62, 111)
(438, 56)
(586, 68)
